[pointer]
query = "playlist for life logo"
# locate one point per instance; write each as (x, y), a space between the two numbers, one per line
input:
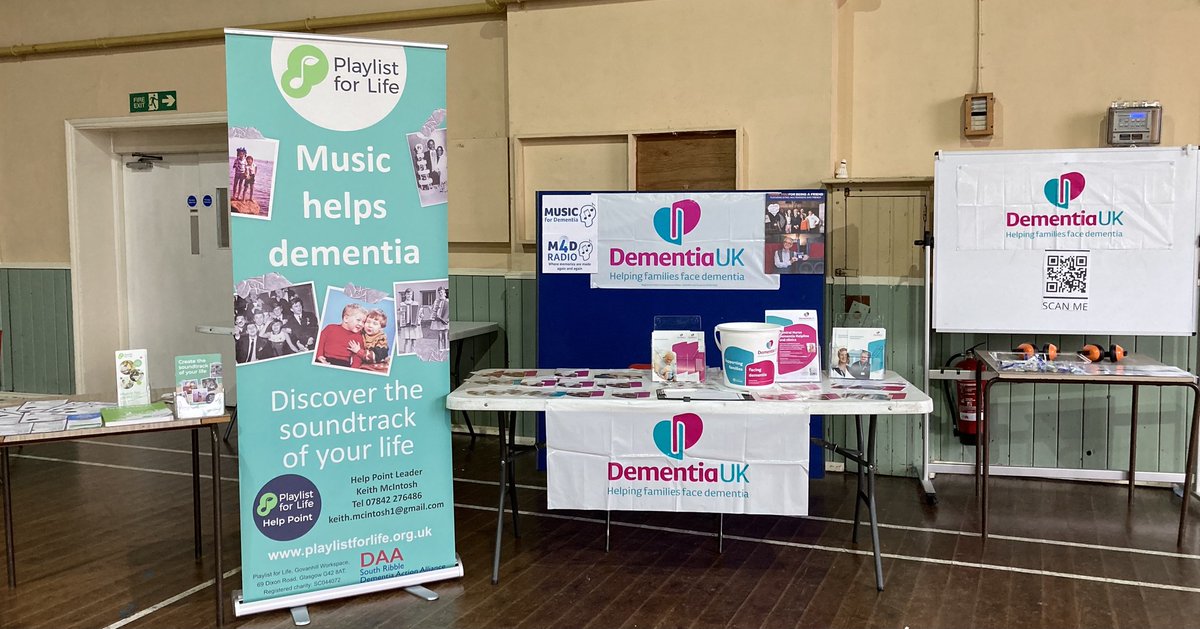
(673, 223)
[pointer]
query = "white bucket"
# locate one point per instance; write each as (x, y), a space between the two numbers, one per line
(749, 353)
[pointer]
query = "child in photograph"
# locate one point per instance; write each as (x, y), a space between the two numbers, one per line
(375, 344)
(441, 318)
(341, 344)
(251, 172)
(410, 326)
(239, 173)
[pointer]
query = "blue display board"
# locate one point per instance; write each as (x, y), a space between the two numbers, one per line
(580, 326)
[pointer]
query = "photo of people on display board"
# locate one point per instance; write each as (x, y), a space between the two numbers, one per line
(428, 152)
(357, 330)
(252, 161)
(423, 319)
(793, 229)
(274, 323)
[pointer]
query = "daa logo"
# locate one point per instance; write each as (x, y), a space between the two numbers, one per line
(672, 223)
(1066, 188)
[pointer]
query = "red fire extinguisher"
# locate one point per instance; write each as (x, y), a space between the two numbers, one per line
(966, 406)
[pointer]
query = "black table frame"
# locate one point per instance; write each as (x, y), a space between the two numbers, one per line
(213, 426)
(982, 451)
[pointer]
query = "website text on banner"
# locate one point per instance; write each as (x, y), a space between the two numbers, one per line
(338, 195)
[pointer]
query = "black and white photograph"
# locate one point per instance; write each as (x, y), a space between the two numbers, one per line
(428, 153)
(423, 319)
(275, 323)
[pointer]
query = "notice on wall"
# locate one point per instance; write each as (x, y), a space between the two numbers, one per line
(612, 457)
(338, 193)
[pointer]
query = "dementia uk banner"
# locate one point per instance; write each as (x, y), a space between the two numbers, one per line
(341, 315)
(611, 456)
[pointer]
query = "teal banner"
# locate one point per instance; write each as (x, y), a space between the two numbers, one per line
(338, 200)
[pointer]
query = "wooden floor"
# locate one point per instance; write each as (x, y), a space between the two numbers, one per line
(104, 539)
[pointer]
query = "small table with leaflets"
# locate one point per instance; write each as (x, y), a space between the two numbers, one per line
(9, 441)
(502, 390)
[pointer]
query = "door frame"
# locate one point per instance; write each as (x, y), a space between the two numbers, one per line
(96, 232)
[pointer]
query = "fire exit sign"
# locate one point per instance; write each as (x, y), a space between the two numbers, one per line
(152, 101)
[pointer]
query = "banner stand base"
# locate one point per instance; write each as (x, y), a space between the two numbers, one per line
(242, 608)
(300, 616)
(420, 591)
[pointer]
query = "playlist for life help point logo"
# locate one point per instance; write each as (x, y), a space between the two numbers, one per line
(340, 86)
(672, 223)
(673, 436)
(1066, 188)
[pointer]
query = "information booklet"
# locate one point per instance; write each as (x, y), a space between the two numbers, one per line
(677, 356)
(199, 388)
(858, 353)
(138, 414)
(799, 353)
(133, 385)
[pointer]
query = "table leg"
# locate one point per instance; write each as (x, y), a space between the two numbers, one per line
(1190, 466)
(218, 573)
(9, 545)
(720, 532)
(458, 381)
(981, 416)
(607, 529)
(503, 490)
(869, 455)
(512, 472)
(978, 425)
(1133, 434)
(196, 492)
(859, 496)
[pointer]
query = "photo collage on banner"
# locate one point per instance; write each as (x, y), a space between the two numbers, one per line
(794, 227)
(337, 175)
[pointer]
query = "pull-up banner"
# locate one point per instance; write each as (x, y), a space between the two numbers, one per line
(338, 202)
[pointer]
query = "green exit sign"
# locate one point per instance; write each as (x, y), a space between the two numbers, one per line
(152, 101)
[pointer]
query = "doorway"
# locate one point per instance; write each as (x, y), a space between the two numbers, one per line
(178, 264)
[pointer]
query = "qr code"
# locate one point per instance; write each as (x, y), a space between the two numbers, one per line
(1066, 275)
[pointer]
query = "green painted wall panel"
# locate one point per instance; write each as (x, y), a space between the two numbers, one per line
(1071, 426)
(37, 352)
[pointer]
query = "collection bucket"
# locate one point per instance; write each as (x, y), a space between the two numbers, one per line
(749, 353)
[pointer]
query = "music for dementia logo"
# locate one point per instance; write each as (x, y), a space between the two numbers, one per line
(340, 86)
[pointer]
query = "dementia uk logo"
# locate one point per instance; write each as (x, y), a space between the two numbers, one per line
(1060, 192)
(672, 223)
(1066, 188)
(673, 437)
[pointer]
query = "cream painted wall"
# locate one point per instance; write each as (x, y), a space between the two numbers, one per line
(661, 65)
(41, 92)
(1054, 67)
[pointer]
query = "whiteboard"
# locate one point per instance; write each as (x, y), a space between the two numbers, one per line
(1087, 241)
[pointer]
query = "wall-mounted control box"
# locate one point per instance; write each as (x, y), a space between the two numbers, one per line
(1134, 123)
